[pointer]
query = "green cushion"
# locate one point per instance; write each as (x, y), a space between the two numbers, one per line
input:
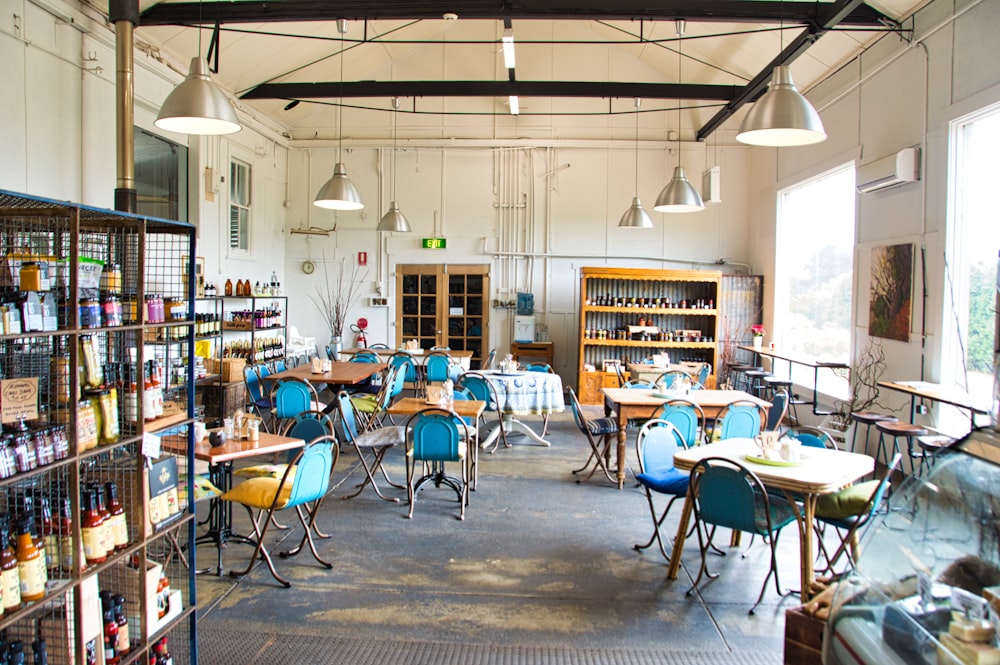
(847, 502)
(264, 471)
(259, 492)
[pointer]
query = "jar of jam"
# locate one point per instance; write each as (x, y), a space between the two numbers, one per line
(90, 313)
(59, 378)
(30, 276)
(111, 312)
(111, 279)
(8, 464)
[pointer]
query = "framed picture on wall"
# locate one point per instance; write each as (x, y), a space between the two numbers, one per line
(891, 292)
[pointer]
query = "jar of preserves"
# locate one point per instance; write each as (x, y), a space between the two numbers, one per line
(111, 279)
(86, 426)
(8, 464)
(111, 312)
(90, 313)
(30, 276)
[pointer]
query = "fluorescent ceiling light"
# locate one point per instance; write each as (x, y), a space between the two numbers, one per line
(515, 106)
(508, 48)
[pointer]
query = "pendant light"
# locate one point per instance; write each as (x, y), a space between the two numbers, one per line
(782, 117)
(197, 105)
(679, 195)
(393, 219)
(339, 193)
(636, 216)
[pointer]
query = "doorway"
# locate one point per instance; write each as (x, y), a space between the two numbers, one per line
(444, 305)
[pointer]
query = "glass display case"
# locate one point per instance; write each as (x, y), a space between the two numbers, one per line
(927, 584)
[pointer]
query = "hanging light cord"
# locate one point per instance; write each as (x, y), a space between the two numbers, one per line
(395, 126)
(340, 103)
(680, 57)
(637, 102)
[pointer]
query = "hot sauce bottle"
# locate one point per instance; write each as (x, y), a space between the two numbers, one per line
(30, 564)
(10, 580)
(93, 529)
(112, 655)
(124, 642)
(119, 522)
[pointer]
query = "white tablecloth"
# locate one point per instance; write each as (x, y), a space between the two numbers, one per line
(525, 393)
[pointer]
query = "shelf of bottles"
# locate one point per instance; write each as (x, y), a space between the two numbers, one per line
(88, 300)
(262, 317)
(630, 314)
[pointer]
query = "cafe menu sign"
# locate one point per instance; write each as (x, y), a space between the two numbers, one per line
(18, 399)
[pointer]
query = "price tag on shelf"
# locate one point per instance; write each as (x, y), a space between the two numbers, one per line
(150, 445)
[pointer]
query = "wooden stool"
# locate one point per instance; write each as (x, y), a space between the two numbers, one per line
(929, 446)
(896, 430)
(867, 418)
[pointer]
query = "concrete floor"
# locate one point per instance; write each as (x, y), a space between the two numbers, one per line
(540, 562)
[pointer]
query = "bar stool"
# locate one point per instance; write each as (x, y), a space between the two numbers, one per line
(867, 418)
(755, 381)
(735, 373)
(896, 430)
(773, 384)
(929, 446)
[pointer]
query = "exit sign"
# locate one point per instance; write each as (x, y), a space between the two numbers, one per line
(435, 243)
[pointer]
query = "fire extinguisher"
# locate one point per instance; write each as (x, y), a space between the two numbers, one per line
(360, 327)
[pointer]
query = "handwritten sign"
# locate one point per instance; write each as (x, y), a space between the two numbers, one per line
(18, 399)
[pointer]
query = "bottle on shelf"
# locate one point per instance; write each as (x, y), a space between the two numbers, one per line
(40, 652)
(30, 564)
(124, 640)
(92, 529)
(10, 581)
(229, 287)
(162, 652)
(119, 521)
(112, 655)
(15, 653)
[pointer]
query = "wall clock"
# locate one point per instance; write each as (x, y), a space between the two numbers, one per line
(308, 267)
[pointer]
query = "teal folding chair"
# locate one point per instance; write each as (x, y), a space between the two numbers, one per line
(657, 443)
(739, 419)
(725, 493)
(302, 486)
(370, 445)
(483, 390)
(261, 404)
(687, 417)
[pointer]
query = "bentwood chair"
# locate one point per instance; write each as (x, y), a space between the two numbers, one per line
(687, 417)
(435, 437)
(728, 494)
(302, 486)
(604, 429)
(483, 390)
(656, 444)
(371, 445)
(847, 512)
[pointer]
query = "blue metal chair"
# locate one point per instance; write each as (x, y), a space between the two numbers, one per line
(436, 437)
(776, 412)
(812, 437)
(703, 374)
(739, 419)
(606, 429)
(672, 380)
(728, 494)
(639, 385)
(539, 367)
(656, 444)
(410, 372)
(291, 397)
(373, 443)
(437, 367)
(687, 417)
(483, 390)
(261, 404)
(830, 511)
(302, 486)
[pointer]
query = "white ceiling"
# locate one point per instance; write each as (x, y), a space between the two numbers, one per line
(717, 53)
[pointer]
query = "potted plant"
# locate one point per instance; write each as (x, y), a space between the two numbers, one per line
(757, 331)
(334, 301)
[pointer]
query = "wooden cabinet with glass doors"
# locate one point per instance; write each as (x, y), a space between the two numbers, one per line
(629, 314)
(444, 306)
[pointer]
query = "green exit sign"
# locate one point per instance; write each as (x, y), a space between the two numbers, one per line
(435, 243)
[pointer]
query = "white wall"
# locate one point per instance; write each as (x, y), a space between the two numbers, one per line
(895, 96)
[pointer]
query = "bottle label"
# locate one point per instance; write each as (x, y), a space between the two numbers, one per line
(119, 529)
(52, 550)
(66, 552)
(10, 580)
(93, 543)
(124, 643)
(32, 578)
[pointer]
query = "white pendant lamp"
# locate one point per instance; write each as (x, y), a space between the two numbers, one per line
(636, 216)
(782, 117)
(339, 193)
(393, 219)
(679, 195)
(197, 106)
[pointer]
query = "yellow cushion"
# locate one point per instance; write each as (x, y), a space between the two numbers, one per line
(259, 493)
(847, 502)
(264, 471)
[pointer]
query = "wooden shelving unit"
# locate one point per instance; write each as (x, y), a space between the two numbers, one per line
(680, 305)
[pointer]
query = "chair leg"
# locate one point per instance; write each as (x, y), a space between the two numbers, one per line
(600, 456)
(260, 550)
(657, 523)
(307, 526)
(369, 478)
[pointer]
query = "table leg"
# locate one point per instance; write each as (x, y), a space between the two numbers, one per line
(682, 528)
(806, 536)
(622, 437)
(511, 424)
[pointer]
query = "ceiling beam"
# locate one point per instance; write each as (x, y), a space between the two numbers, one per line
(582, 89)
(727, 11)
(833, 15)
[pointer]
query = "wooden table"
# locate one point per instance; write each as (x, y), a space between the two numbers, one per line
(822, 471)
(796, 358)
(340, 373)
(220, 469)
(935, 392)
(636, 403)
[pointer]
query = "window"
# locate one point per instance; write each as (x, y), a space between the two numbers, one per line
(813, 272)
(239, 207)
(971, 263)
(160, 177)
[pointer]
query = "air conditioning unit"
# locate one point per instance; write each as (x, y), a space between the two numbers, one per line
(898, 169)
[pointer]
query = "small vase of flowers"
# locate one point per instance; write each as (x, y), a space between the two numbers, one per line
(757, 331)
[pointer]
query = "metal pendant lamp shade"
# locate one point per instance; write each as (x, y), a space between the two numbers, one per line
(339, 193)
(197, 106)
(394, 220)
(636, 216)
(782, 117)
(679, 195)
